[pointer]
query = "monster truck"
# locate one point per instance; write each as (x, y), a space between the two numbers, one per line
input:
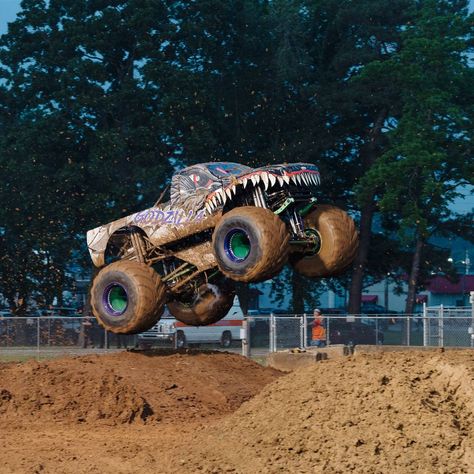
(224, 222)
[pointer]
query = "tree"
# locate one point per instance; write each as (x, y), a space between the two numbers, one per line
(82, 139)
(428, 154)
(427, 125)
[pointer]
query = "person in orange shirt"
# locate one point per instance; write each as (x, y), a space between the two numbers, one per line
(318, 332)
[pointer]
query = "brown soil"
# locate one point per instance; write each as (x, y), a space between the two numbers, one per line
(129, 387)
(396, 412)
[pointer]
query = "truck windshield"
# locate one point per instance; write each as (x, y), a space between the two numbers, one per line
(220, 170)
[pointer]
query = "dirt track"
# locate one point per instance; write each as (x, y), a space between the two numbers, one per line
(398, 412)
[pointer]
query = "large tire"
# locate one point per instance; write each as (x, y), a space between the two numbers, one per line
(250, 244)
(339, 240)
(209, 304)
(127, 297)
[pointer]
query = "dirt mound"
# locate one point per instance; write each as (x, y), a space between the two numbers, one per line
(391, 413)
(396, 412)
(129, 387)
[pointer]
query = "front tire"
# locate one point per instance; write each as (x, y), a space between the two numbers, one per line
(338, 242)
(127, 297)
(250, 244)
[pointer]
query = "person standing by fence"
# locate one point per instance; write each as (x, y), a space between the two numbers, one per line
(318, 331)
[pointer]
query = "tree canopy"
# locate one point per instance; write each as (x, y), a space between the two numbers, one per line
(100, 100)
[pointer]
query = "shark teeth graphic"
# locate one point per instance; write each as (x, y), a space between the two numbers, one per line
(268, 180)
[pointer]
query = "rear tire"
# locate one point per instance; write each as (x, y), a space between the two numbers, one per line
(209, 304)
(127, 297)
(250, 244)
(339, 240)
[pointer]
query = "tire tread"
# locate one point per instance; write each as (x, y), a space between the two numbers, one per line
(150, 302)
(275, 242)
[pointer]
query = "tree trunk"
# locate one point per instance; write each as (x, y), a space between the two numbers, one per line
(414, 273)
(412, 284)
(243, 294)
(297, 287)
(367, 213)
(365, 232)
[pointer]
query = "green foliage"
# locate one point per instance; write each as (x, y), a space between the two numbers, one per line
(101, 100)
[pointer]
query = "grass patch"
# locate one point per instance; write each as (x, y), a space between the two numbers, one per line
(16, 357)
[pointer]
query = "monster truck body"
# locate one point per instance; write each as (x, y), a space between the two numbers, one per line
(224, 222)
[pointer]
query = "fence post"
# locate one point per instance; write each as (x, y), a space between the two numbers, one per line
(425, 325)
(328, 330)
(376, 329)
(301, 331)
(272, 333)
(471, 300)
(441, 326)
(408, 330)
(246, 337)
(37, 338)
(305, 331)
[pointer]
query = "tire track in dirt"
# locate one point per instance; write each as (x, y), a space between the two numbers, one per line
(405, 412)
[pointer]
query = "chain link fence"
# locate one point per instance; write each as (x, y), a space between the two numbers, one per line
(435, 327)
(47, 336)
(447, 326)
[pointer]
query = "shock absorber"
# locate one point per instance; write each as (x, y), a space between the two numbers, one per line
(259, 198)
(138, 246)
(296, 223)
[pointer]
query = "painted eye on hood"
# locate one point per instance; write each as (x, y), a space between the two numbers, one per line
(195, 178)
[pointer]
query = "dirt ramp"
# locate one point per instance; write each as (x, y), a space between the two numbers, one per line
(129, 387)
(57, 392)
(403, 412)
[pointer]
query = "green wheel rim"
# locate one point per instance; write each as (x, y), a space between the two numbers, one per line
(117, 299)
(238, 245)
